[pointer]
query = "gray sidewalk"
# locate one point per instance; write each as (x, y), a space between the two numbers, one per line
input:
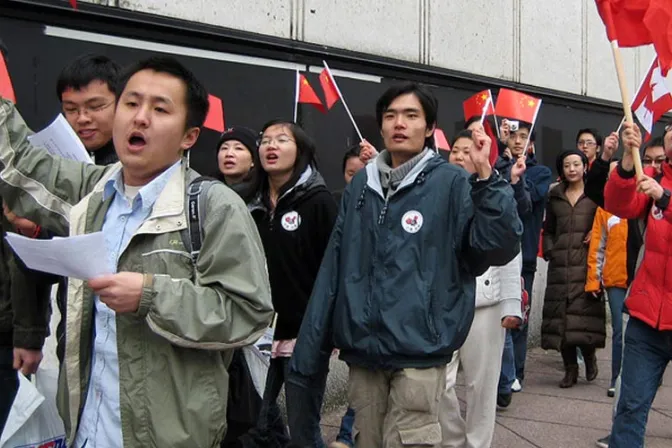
(545, 416)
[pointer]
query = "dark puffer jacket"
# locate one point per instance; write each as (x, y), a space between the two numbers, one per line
(571, 316)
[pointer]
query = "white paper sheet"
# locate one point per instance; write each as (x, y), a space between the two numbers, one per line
(83, 256)
(61, 140)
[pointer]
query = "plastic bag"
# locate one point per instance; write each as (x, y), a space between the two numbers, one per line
(33, 421)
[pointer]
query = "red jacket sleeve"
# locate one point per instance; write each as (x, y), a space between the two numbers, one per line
(621, 197)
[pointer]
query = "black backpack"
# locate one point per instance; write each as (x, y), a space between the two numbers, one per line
(192, 236)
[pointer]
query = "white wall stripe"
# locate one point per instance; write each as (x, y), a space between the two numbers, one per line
(107, 39)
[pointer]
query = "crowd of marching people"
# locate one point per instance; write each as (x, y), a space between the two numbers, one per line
(422, 267)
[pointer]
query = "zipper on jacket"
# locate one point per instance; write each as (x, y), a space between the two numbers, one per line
(383, 212)
(360, 201)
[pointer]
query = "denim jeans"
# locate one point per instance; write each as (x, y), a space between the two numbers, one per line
(345, 434)
(9, 384)
(646, 354)
(519, 337)
(304, 404)
(616, 298)
(508, 373)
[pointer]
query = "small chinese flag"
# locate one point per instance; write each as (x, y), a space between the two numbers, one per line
(307, 94)
(6, 89)
(473, 107)
(440, 140)
(215, 118)
(73, 3)
(329, 88)
(517, 105)
(623, 20)
(658, 20)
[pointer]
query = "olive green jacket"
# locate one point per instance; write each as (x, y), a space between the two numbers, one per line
(174, 350)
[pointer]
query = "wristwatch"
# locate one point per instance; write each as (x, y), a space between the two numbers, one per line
(664, 201)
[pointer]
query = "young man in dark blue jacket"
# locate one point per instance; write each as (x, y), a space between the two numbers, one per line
(396, 288)
(537, 180)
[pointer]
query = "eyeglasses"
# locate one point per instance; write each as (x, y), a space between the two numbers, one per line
(587, 143)
(658, 161)
(281, 140)
(87, 110)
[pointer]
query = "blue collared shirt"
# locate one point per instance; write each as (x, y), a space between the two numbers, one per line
(100, 425)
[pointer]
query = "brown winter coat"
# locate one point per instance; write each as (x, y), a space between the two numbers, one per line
(571, 316)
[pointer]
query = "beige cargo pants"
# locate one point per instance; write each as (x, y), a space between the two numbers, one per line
(397, 409)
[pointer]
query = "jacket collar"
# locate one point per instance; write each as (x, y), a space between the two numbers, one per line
(373, 175)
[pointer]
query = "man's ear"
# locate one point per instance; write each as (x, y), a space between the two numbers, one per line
(190, 138)
(430, 131)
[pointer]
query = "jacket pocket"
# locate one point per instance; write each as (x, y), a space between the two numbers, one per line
(175, 263)
(430, 312)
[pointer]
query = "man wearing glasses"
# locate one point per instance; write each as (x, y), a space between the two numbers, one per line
(648, 335)
(589, 142)
(85, 89)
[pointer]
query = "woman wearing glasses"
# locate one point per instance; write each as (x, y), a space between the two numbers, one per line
(295, 213)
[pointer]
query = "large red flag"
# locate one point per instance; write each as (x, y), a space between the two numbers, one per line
(653, 98)
(623, 20)
(6, 89)
(215, 118)
(473, 107)
(658, 20)
(307, 95)
(329, 87)
(517, 105)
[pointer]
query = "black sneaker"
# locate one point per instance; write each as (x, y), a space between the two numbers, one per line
(503, 401)
(603, 442)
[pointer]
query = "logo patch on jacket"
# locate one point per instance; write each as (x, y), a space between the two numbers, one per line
(656, 212)
(412, 221)
(291, 221)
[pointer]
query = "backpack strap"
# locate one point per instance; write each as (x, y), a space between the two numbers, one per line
(192, 236)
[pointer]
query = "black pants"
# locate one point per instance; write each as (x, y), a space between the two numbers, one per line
(269, 431)
(569, 354)
(9, 384)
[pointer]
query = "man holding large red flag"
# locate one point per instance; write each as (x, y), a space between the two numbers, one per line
(648, 335)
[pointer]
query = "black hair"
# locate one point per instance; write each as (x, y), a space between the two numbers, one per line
(658, 141)
(560, 162)
(305, 155)
(248, 188)
(86, 69)
(465, 133)
(196, 95)
(473, 119)
(428, 102)
(351, 153)
(528, 126)
(596, 135)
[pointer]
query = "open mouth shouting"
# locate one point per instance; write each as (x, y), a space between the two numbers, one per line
(137, 141)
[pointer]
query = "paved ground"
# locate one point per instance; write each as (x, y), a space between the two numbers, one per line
(545, 416)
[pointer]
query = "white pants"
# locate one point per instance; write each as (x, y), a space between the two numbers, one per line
(481, 360)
